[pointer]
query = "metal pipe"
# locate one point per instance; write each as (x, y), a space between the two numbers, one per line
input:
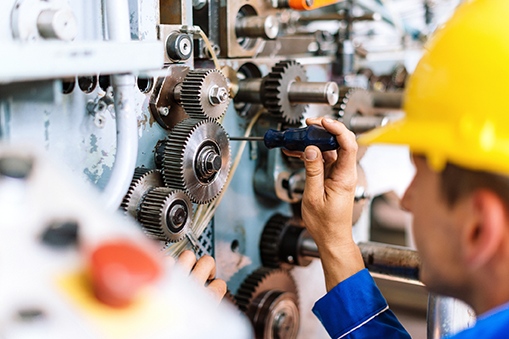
(337, 17)
(117, 13)
(447, 316)
(249, 91)
(313, 93)
(363, 123)
(381, 259)
(257, 27)
(387, 99)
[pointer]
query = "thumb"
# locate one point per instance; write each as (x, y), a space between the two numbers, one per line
(314, 171)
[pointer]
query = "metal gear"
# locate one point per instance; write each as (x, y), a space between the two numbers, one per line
(166, 214)
(143, 181)
(204, 94)
(279, 243)
(269, 298)
(197, 159)
(354, 101)
(275, 87)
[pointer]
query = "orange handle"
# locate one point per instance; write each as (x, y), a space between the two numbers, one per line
(306, 5)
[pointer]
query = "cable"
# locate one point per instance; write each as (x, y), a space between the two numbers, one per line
(211, 50)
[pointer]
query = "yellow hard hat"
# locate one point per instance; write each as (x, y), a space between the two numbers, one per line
(457, 100)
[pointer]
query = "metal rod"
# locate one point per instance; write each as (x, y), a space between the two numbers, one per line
(247, 138)
(447, 316)
(387, 99)
(336, 17)
(362, 123)
(249, 91)
(382, 259)
(313, 93)
(257, 27)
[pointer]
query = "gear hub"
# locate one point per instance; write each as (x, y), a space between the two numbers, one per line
(269, 298)
(197, 159)
(166, 214)
(275, 90)
(204, 94)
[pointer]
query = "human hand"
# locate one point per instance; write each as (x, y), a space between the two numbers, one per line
(327, 201)
(204, 272)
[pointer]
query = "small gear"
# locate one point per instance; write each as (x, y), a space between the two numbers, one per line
(280, 243)
(353, 101)
(269, 298)
(205, 94)
(197, 159)
(143, 181)
(275, 87)
(166, 214)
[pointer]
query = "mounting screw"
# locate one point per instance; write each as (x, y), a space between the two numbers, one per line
(164, 111)
(218, 95)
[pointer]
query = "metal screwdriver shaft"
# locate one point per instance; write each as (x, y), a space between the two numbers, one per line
(297, 139)
(247, 138)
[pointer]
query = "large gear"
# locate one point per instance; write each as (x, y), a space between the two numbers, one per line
(166, 214)
(269, 298)
(143, 181)
(197, 159)
(275, 86)
(204, 94)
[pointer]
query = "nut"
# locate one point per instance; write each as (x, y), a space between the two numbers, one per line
(218, 95)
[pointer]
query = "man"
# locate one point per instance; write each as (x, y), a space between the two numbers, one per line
(457, 127)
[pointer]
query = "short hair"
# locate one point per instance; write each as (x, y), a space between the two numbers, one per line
(458, 182)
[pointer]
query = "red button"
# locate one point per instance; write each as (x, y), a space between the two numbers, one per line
(119, 270)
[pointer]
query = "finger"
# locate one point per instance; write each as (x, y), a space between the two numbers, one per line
(330, 156)
(347, 153)
(187, 260)
(205, 269)
(295, 154)
(314, 172)
(314, 121)
(218, 288)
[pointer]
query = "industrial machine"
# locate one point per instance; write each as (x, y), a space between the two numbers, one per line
(139, 99)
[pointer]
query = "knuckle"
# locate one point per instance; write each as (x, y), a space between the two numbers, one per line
(207, 260)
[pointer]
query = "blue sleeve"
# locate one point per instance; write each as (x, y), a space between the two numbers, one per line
(356, 309)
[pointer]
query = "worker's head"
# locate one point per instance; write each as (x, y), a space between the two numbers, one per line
(457, 123)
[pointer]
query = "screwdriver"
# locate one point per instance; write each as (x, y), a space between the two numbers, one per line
(297, 139)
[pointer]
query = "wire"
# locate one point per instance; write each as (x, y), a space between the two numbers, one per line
(203, 220)
(211, 50)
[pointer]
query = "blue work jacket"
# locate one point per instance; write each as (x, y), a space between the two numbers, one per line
(356, 309)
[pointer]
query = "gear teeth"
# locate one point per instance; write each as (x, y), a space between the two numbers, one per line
(263, 279)
(270, 241)
(246, 291)
(175, 154)
(139, 173)
(195, 100)
(275, 96)
(152, 213)
(173, 160)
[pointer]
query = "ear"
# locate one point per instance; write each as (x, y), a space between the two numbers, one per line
(485, 229)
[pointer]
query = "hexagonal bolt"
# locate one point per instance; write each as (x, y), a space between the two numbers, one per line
(213, 163)
(58, 24)
(218, 95)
